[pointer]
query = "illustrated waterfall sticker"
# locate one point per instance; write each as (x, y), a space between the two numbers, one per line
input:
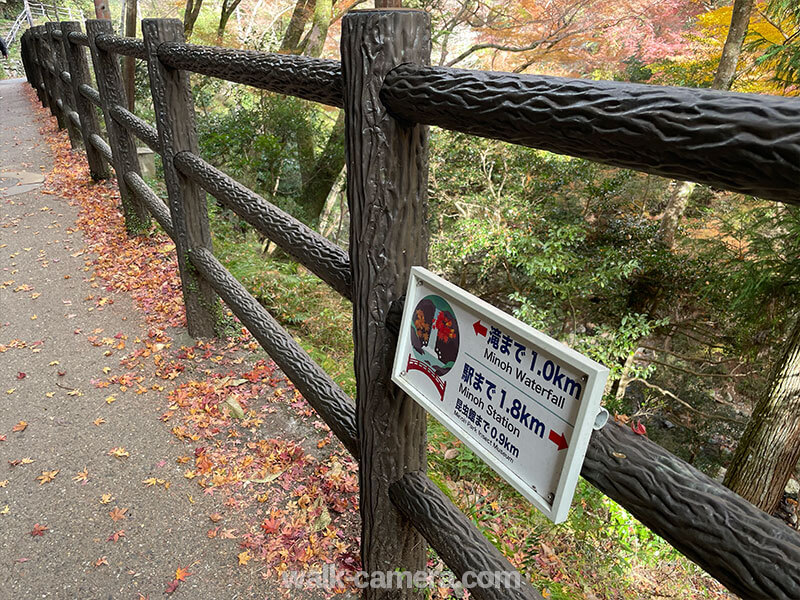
(434, 340)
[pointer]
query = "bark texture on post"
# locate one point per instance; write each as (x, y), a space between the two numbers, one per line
(387, 174)
(130, 62)
(79, 71)
(769, 449)
(123, 146)
(64, 90)
(174, 109)
(38, 58)
(25, 53)
(50, 84)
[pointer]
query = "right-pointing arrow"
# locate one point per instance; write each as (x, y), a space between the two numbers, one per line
(558, 439)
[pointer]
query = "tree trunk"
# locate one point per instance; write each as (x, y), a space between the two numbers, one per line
(674, 211)
(306, 152)
(294, 32)
(326, 169)
(130, 62)
(315, 39)
(228, 6)
(723, 79)
(101, 10)
(319, 174)
(620, 386)
(740, 19)
(770, 447)
(190, 16)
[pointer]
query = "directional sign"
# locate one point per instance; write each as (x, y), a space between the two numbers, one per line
(522, 401)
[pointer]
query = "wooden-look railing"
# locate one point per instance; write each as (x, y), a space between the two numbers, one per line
(744, 143)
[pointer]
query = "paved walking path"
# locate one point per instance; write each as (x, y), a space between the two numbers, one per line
(47, 366)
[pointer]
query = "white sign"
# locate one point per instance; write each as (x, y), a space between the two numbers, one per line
(522, 401)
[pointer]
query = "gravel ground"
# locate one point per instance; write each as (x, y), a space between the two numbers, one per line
(44, 357)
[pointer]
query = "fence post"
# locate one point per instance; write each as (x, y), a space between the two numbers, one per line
(24, 49)
(79, 71)
(387, 178)
(36, 68)
(64, 90)
(41, 64)
(30, 58)
(56, 101)
(175, 120)
(38, 46)
(123, 147)
(46, 57)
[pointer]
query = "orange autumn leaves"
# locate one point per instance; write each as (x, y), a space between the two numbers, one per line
(119, 452)
(181, 573)
(82, 476)
(47, 476)
(117, 514)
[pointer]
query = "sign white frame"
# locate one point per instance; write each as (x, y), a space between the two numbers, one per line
(595, 374)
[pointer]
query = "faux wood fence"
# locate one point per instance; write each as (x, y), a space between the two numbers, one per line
(744, 143)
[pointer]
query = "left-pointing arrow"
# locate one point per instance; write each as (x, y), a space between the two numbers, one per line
(558, 439)
(479, 329)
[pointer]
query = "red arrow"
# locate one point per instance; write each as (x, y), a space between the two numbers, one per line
(558, 439)
(479, 329)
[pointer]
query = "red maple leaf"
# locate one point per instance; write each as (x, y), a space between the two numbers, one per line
(172, 586)
(39, 529)
(114, 537)
(270, 525)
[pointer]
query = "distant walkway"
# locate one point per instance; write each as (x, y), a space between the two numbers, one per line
(77, 519)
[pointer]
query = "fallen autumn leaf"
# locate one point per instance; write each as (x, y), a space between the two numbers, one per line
(47, 476)
(117, 514)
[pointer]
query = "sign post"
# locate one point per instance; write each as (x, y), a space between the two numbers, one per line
(522, 401)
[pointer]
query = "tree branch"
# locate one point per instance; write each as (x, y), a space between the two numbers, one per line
(486, 45)
(347, 6)
(689, 358)
(689, 371)
(669, 394)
